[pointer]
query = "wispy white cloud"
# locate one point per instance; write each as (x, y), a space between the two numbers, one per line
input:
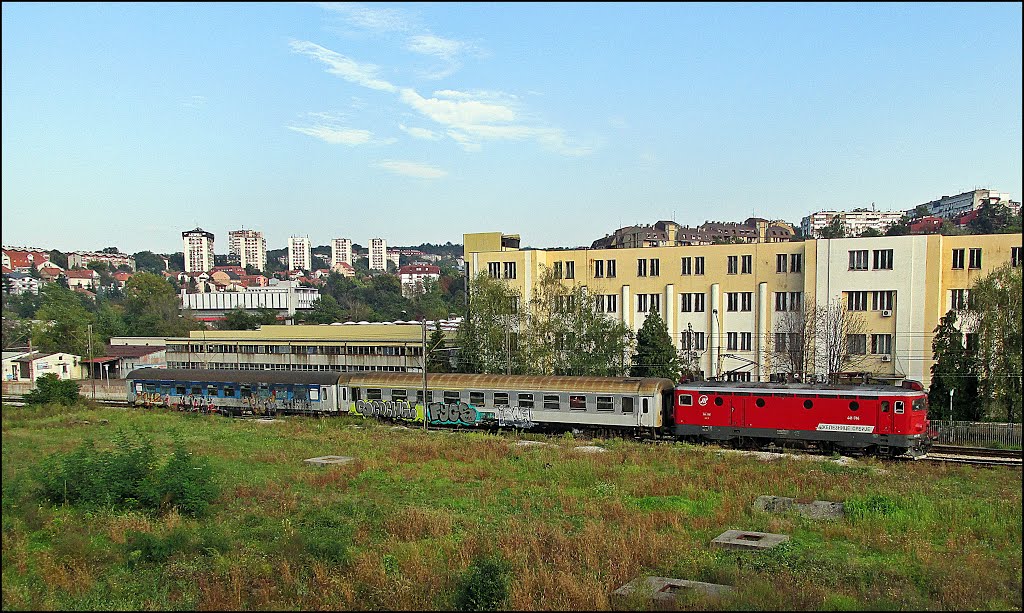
(194, 102)
(457, 112)
(346, 68)
(375, 19)
(412, 169)
(429, 44)
(421, 133)
(336, 136)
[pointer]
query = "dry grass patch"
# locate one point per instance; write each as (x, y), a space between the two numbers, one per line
(416, 523)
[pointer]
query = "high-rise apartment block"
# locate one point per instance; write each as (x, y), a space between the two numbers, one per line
(951, 207)
(198, 250)
(341, 251)
(378, 254)
(249, 248)
(299, 253)
(854, 222)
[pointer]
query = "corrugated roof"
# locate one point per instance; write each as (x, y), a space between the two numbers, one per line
(455, 381)
(401, 333)
(234, 376)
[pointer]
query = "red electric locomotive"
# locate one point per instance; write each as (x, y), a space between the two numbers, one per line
(870, 419)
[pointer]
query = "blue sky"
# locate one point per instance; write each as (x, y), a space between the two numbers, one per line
(126, 124)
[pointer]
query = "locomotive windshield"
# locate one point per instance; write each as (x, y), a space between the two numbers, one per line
(919, 404)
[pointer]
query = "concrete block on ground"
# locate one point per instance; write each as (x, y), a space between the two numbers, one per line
(663, 592)
(748, 541)
(815, 509)
(590, 449)
(329, 460)
(532, 444)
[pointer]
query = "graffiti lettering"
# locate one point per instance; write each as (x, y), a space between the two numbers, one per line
(452, 413)
(516, 417)
(401, 409)
(152, 399)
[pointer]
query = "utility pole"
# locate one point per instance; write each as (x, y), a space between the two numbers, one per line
(424, 357)
(91, 376)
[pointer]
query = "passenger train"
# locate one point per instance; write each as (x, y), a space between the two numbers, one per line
(870, 419)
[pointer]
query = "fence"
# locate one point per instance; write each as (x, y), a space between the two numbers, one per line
(978, 434)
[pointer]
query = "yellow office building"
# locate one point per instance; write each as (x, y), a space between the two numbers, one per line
(735, 307)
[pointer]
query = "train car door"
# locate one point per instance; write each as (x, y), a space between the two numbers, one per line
(886, 417)
(737, 404)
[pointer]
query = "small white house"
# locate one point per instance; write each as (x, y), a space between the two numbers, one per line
(24, 366)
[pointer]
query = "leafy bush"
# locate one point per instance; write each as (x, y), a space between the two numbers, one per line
(484, 586)
(51, 388)
(127, 477)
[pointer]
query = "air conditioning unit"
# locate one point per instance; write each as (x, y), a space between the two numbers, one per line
(886, 358)
(886, 313)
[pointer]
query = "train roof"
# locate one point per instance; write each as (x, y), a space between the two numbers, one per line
(300, 377)
(458, 381)
(798, 388)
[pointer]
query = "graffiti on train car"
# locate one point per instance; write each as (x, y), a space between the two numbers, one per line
(271, 403)
(452, 413)
(152, 399)
(514, 417)
(401, 409)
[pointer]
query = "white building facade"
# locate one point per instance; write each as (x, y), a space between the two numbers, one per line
(300, 255)
(82, 259)
(198, 250)
(249, 247)
(378, 254)
(286, 297)
(854, 222)
(341, 251)
(951, 207)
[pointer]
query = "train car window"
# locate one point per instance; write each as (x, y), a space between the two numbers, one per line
(685, 400)
(899, 407)
(229, 391)
(551, 402)
(300, 392)
(476, 399)
(373, 393)
(526, 401)
(808, 403)
(645, 404)
(577, 403)
(627, 404)
(759, 402)
(885, 406)
(451, 397)
(419, 395)
(918, 404)
(399, 394)
(501, 399)
(854, 405)
(356, 394)
(719, 402)
(604, 403)
(246, 391)
(148, 387)
(197, 390)
(165, 389)
(179, 390)
(314, 393)
(211, 390)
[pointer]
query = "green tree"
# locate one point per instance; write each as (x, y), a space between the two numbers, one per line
(954, 370)
(59, 258)
(995, 218)
(63, 323)
(487, 336)
(900, 228)
(870, 233)
(152, 308)
(437, 356)
(994, 315)
(325, 311)
(834, 229)
(147, 261)
(655, 354)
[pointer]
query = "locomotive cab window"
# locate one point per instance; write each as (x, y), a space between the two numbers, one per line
(885, 406)
(685, 400)
(551, 402)
(604, 403)
(526, 401)
(577, 403)
(899, 407)
(627, 404)
(917, 404)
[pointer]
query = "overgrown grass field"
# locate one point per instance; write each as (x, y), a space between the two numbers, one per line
(408, 523)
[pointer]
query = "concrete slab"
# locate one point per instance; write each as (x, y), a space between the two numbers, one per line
(661, 592)
(329, 460)
(532, 444)
(813, 509)
(590, 449)
(748, 541)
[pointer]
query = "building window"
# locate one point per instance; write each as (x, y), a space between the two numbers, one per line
(732, 301)
(655, 267)
(641, 303)
(974, 260)
(698, 265)
(746, 341)
(1015, 256)
(570, 270)
(733, 264)
(882, 259)
(494, 270)
(958, 299)
(686, 266)
(780, 262)
(958, 259)
(856, 301)
(655, 303)
(780, 342)
(881, 301)
(598, 269)
(641, 267)
(971, 342)
(781, 301)
(558, 270)
(881, 344)
(746, 300)
(747, 264)
(859, 259)
(611, 269)
(796, 301)
(856, 344)
(796, 261)
(732, 341)
(691, 303)
(510, 270)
